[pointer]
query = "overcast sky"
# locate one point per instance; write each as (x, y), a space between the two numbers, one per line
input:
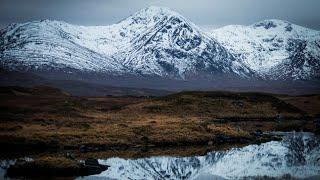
(215, 13)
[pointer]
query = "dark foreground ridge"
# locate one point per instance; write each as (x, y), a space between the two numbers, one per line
(55, 166)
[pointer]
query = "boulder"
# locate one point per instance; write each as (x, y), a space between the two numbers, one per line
(92, 166)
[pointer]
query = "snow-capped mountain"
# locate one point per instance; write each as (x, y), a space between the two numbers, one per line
(296, 156)
(160, 41)
(273, 48)
(153, 41)
(156, 41)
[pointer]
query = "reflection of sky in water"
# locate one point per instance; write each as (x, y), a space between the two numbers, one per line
(298, 155)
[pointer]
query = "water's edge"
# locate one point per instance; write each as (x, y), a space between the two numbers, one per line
(297, 155)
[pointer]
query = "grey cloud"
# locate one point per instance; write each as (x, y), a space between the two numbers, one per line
(202, 12)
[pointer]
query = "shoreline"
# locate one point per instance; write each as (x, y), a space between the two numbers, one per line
(72, 164)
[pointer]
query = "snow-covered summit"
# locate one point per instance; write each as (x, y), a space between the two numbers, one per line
(274, 48)
(155, 11)
(162, 42)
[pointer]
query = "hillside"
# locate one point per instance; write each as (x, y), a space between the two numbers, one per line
(220, 105)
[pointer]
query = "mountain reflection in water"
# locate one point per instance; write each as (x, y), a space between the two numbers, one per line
(296, 156)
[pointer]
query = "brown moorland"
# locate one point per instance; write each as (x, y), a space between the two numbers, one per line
(307, 103)
(44, 118)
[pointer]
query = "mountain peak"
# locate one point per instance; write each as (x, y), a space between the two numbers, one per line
(154, 13)
(156, 10)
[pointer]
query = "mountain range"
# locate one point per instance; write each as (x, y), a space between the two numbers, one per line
(156, 45)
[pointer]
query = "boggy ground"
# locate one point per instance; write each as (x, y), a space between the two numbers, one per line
(47, 119)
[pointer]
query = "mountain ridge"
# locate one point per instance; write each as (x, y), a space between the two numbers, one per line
(158, 42)
(184, 51)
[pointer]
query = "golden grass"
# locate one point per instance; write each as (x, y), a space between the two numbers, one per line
(185, 118)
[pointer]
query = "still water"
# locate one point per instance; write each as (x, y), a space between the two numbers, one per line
(296, 156)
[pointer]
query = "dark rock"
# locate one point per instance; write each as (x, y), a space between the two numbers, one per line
(37, 169)
(92, 166)
(266, 24)
(289, 28)
(91, 162)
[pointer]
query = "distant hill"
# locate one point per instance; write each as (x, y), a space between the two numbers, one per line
(73, 87)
